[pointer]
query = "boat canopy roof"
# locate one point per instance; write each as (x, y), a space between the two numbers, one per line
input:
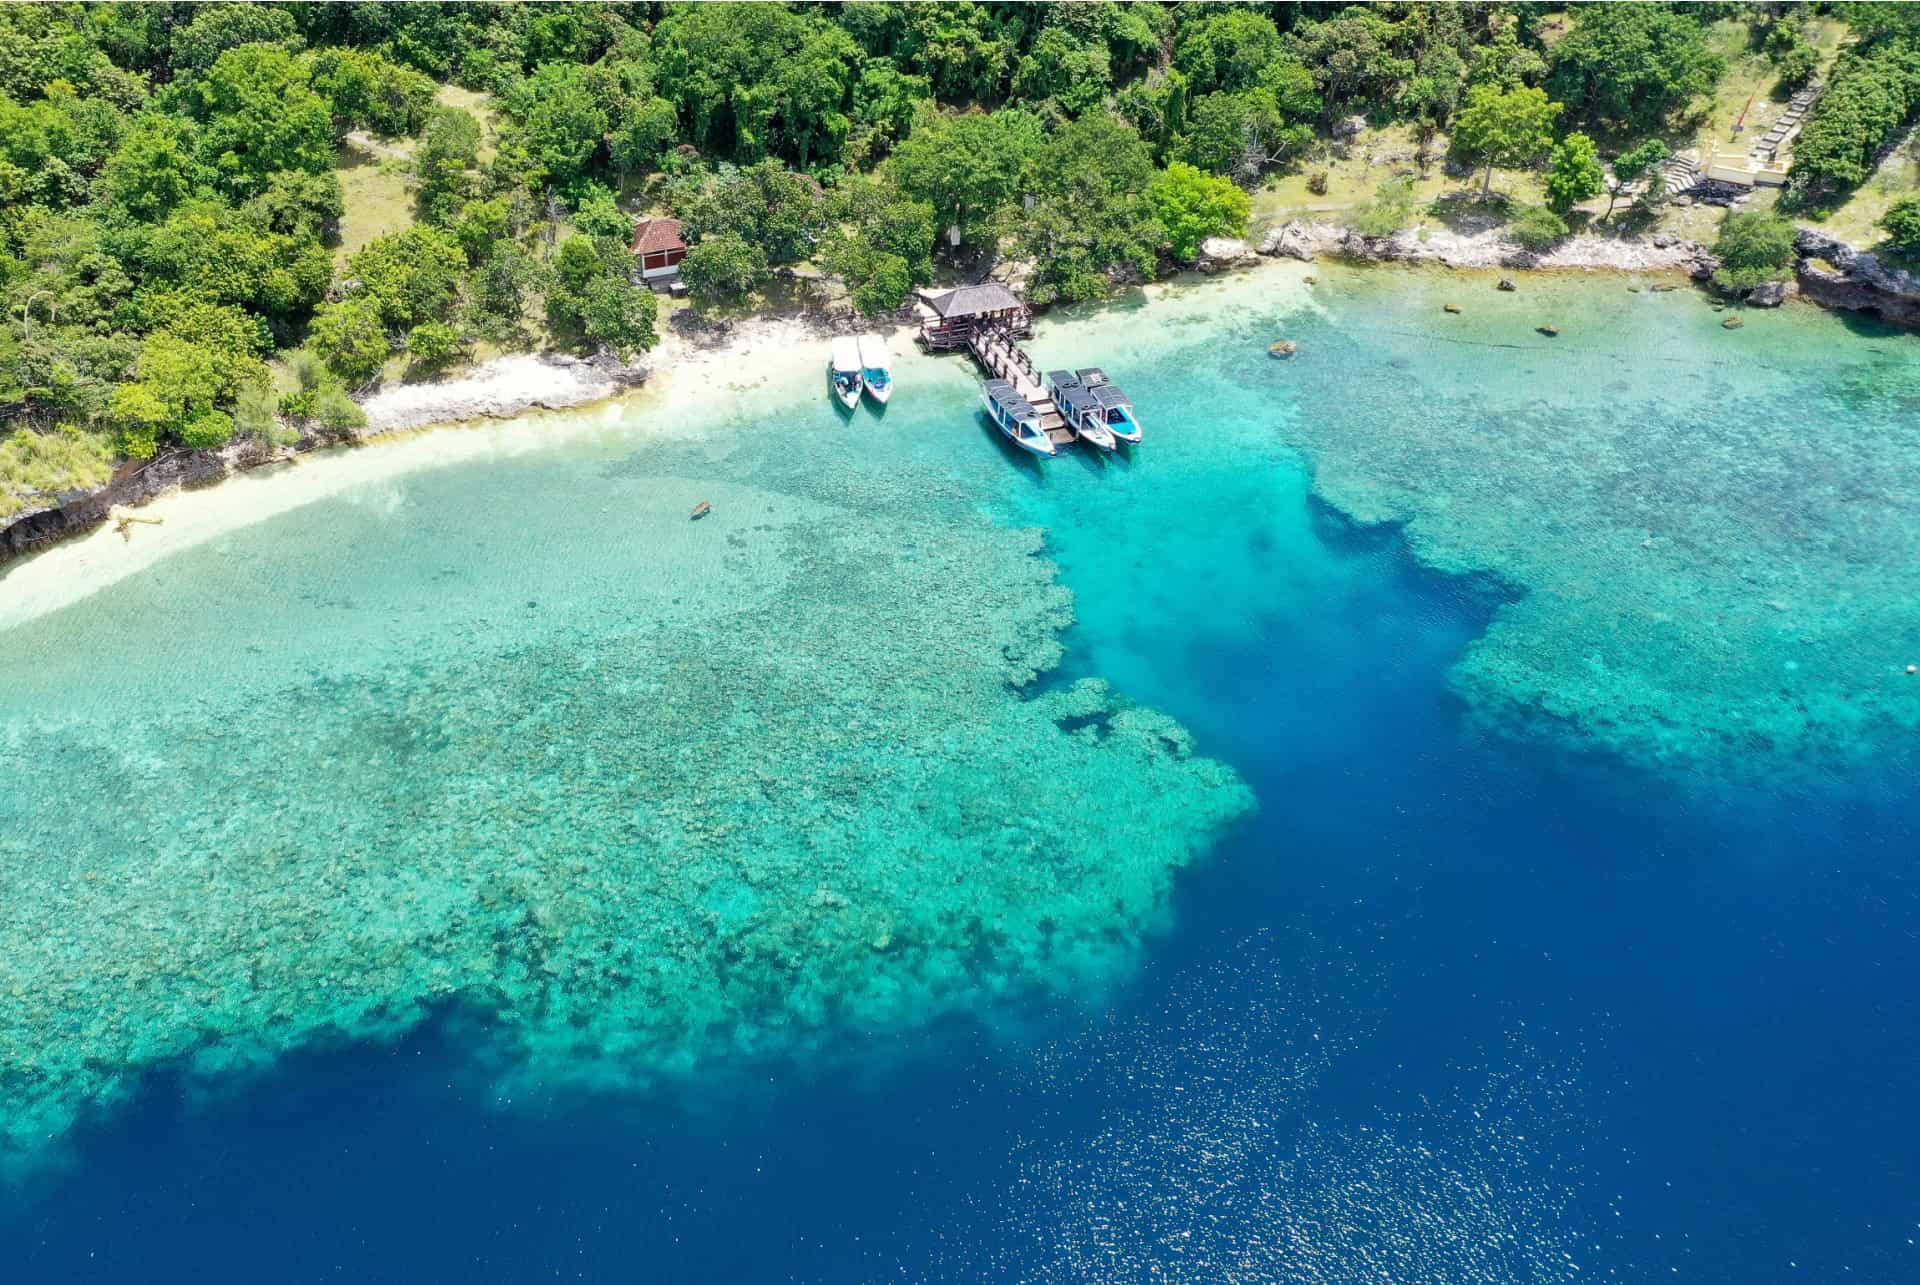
(1062, 378)
(1000, 389)
(1076, 399)
(1110, 395)
(873, 352)
(846, 355)
(1092, 376)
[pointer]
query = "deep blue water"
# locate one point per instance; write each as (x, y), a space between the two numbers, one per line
(1702, 999)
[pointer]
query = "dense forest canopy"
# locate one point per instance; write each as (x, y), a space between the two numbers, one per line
(170, 174)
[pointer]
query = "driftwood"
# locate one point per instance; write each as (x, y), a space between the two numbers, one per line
(123, 521)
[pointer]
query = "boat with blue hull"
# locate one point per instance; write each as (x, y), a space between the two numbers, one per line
(876, 367)
(1115, 407)
(1017, 418)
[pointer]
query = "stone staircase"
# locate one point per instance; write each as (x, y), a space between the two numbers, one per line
(1767, 147)
(1683, 173)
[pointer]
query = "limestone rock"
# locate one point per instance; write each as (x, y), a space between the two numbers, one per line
(1732, 323)
(1283, 348)
(1770, 295)
(1506, 283)
(1223, 254)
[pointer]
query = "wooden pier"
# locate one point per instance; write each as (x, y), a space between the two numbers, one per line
(1002, 358)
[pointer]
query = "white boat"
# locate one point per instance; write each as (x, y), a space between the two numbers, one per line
(1116, 408)
(843, 371)
(876, 367)
(1016, 417)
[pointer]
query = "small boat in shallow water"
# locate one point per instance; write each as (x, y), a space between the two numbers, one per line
(843, 371)
(1099, 404)
(876, 367)
(1016, 417)
(1080, 410)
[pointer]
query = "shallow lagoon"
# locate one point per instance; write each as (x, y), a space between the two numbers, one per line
(1547, 953)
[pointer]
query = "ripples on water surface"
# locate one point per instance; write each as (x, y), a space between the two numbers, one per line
(496, 874)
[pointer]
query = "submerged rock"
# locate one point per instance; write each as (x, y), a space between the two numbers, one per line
(1450, 307)
(1732, 323)
(1505, 283)
(1283, 348)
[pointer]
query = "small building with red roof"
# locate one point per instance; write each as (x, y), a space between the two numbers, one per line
(657, 244)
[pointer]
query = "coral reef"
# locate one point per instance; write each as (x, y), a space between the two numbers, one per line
(785, 783)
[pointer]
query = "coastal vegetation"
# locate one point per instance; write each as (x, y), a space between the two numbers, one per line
(216, 220)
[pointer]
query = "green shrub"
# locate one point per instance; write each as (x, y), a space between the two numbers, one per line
(207, 430)
(1536, 227)
(1753, 248)
(1390, 210)
(1901, 223)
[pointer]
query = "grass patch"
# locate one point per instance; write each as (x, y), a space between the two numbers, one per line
(378, 196)
(35, 466)
(1857, 221)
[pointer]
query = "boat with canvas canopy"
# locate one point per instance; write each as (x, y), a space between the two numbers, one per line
(843, 371)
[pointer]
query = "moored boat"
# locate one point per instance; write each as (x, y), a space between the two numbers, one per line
(1115, 407)
(876, 367)
(1080, 409)
(1016, 417)
(843, 371)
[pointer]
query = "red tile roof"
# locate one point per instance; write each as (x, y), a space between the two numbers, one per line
(651, 236)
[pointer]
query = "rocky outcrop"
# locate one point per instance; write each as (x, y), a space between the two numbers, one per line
(1833, 273)
(1483, 243)
(135, 482)
(1770, 295)
(1223, 254)
(501, 389)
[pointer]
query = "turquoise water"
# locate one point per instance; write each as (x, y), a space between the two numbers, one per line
(1114, 839)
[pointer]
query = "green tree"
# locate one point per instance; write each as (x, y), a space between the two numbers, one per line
(1226, 49)
(1503, 127)
(1091, 223)
(153, 169)
(350, 339)
(562, 121)
(878, 242)
(1753, 248)
(1070, 72)
(1901, 223)
(1194, 206)
(216, 28)
(365, 91)
(449, 147)
(1642, 162)
(261, 116)
(726, 266)
(1573, 173)
(410, 276)
(298, 204)
(967, 167)
(777, 210)
(599, 216)
(1628, 66)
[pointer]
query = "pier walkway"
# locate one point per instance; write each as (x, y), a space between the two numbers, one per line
(994, 348)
